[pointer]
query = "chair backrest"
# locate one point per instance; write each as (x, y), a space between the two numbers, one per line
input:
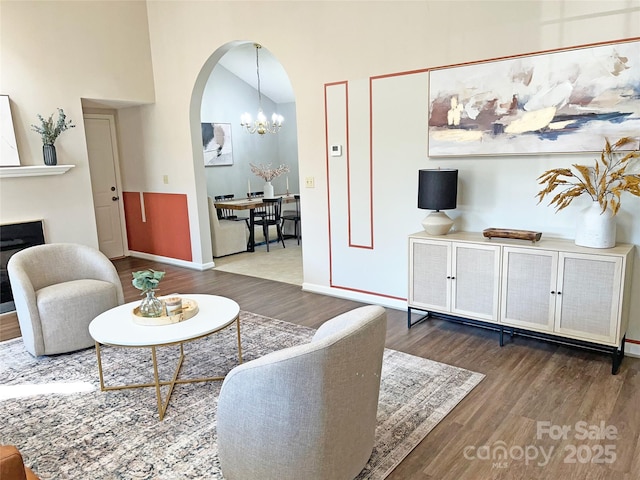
(314, 404)
(52, 263)
(271, 210)
(291, 215)
(225, 213)
(214, 215)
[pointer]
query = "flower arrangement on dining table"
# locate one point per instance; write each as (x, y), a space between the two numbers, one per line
(266, 172)
(604, 182)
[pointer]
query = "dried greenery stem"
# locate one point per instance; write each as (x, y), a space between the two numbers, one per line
(266, 172)
(50, 130)
(604, 182)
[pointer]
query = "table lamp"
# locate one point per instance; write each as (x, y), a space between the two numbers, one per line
(437, 190)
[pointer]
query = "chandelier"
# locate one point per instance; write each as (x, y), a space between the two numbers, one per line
(261, 125)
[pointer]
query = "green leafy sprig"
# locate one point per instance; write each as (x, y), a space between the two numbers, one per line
(146, 280)
(50, 130)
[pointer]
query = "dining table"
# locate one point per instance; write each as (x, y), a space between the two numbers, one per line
(251, 203)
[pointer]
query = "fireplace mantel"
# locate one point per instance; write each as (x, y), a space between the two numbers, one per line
(34, 170)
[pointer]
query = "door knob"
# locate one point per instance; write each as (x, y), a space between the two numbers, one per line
(113, 189)
(115, 199)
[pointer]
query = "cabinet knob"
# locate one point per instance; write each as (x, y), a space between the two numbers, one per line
(559, 293)
(553, 292)
(448, 277)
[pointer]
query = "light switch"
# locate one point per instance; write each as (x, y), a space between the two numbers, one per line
(165, 179)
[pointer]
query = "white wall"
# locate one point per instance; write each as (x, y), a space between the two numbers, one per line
(318, 43)
(53, 54)
(416, 35)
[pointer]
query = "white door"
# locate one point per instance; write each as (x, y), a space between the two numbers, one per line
(105, 182)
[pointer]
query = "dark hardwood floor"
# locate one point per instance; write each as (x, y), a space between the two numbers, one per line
(532, 389)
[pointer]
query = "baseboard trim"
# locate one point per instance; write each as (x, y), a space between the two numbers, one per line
(632, 350)
(173, 261)
(355, 296)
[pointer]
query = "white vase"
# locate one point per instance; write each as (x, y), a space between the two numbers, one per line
(268, 190)
(596, 229)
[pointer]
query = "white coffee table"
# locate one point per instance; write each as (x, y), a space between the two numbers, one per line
(116, 327)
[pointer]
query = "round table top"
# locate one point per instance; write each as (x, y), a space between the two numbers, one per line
(117, 327)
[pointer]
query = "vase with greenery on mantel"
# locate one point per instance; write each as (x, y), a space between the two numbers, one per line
(49, 131)
(604, 182)
(267, 174)
(147, 281)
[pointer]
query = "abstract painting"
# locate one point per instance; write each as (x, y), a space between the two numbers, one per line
(561, 102)
(216, 144)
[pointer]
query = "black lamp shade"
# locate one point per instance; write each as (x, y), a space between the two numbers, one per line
(437, 189)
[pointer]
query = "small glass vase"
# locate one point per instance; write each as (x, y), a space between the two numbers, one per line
(150, 306)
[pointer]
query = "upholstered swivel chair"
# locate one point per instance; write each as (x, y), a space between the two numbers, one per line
(58, 289)
(307, 411)
(227, 236)
(271, 217)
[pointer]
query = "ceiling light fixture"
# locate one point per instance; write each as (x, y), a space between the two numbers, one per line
(261, 125)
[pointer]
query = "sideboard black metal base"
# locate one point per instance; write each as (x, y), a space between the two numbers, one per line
(617, 353)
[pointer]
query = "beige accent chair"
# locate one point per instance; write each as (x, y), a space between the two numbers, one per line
(307, 411)
(227, 236)
(58, 289)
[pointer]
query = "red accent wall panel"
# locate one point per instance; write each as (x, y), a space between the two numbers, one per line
(165, 231)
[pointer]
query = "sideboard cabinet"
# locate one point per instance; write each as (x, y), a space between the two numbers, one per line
(551, 288)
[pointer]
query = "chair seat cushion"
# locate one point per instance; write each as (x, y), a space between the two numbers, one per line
(67, 308)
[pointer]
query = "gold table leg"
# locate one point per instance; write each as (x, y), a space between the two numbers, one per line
(157, 383)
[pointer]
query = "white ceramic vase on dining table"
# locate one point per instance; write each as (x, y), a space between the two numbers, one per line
(268, 190)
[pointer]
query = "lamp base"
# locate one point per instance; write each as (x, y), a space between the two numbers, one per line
(437, 223)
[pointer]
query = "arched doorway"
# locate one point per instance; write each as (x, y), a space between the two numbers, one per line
(226, 88)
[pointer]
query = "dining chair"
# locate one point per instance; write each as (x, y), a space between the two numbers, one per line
(293, 216)
(225, 213)
(259, 211)
(271, 217)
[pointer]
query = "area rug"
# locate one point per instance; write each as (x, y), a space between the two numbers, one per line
(66, 428)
